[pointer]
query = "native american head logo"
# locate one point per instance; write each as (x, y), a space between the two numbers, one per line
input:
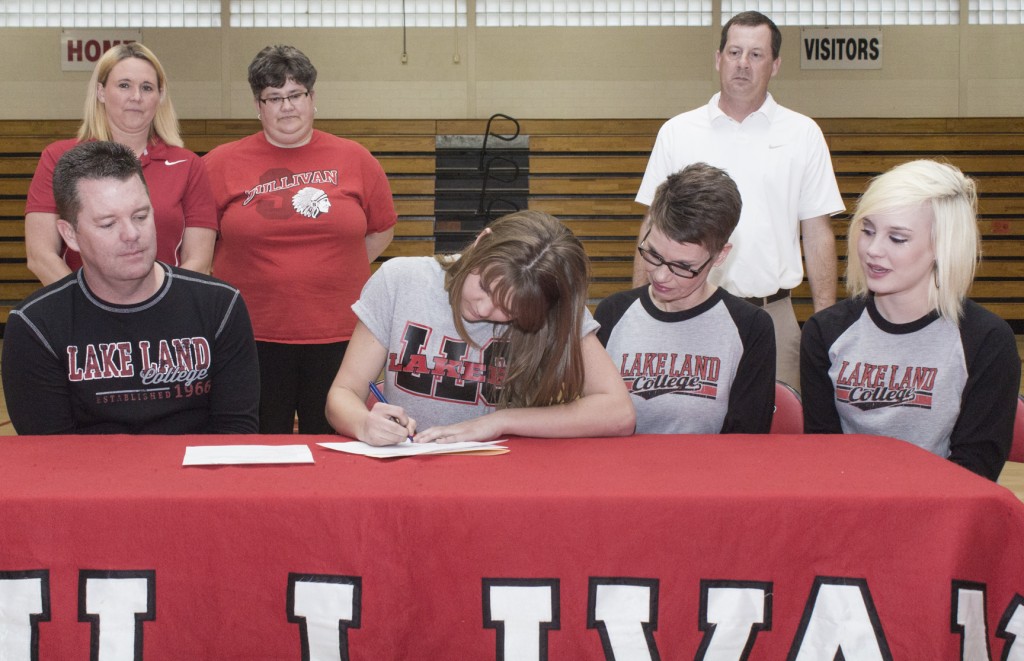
(311, 202)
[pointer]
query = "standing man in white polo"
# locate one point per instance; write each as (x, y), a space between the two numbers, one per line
(781, 164)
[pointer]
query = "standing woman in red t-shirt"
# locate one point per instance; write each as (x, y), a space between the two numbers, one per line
(127, 101)
(302, 215)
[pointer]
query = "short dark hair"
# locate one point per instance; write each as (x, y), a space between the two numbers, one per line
(274, 65)
(752, 19)
(700, 204)
(91, 160)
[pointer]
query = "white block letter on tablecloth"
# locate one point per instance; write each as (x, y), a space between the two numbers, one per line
(1011, 627)
(840, 616)
(625, 613)
(324, 607)
(116, 603)
(24, 602)
(522, 611)
(970, 623)
(731, 615)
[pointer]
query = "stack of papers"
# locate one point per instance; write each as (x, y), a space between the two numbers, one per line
(219, 455)
(408, 449)
(228, 455)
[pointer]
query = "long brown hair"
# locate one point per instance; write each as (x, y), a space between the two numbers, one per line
(537, 272)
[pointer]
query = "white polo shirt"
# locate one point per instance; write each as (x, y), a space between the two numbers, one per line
(781, 165)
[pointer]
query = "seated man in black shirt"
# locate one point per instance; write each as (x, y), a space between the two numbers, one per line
(126, 344)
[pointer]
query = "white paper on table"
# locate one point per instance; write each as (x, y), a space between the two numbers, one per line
(216, 455)
(409, 449)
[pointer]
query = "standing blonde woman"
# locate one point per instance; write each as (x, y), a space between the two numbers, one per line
(909, 356)
(127, 102)
(494, 342)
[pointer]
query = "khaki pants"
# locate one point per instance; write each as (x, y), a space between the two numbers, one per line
(787, 341)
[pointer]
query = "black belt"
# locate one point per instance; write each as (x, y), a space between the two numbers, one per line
(762, 301)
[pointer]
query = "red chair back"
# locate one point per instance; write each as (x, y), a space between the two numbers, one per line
(1017, 449)
(789, 411)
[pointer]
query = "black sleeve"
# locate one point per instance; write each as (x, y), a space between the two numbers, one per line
(752, 397)
(981, 437)
(235, 382)
(816, 389)
(601, 314)
(35, 382)
(610, 310)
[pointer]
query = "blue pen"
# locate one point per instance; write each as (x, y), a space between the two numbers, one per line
(383, 400)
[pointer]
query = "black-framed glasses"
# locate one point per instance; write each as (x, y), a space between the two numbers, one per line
(277, 101)
(681, 270)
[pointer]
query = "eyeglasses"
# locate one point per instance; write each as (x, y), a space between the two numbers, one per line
(277, 101)
(681, 270)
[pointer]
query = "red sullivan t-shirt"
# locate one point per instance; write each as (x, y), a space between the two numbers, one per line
(178, 189)
(293, 228)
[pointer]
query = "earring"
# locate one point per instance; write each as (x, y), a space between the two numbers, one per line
(935, 272)
(259, 115)
(314, 110)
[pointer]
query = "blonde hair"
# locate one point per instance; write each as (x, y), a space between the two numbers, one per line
(95, 125)
(537, 272)
(956, 241)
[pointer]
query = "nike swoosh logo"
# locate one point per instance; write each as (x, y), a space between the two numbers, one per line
(776, 146)
(174, 162)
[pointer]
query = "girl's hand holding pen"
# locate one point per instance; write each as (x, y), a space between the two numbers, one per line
(375, 429)
(387, 425)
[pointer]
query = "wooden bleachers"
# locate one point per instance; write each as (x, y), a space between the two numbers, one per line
(404, 148)
(20, 145)
(586, 172)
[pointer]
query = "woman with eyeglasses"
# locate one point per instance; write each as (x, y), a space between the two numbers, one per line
(302, 213)
(695, 358)
(909, 355)
(127, 101)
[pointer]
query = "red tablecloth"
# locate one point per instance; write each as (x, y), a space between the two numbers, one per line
(561, 549)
